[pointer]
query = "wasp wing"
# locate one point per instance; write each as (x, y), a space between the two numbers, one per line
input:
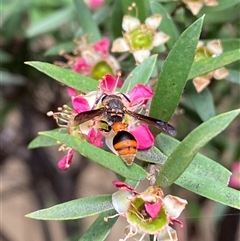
(159, 124)
(88, 115)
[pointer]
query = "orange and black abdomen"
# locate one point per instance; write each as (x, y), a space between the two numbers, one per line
(126, 146)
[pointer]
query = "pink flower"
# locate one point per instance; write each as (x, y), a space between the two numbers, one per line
(140, 94)
(235, 177)
(65, 162)
(81, 66)
(80, 104)
(148, 212)
(95, 137)
(108, 84)
(102, 45)
(93, 4)
(143, 136)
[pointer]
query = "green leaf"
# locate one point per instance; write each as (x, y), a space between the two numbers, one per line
(183, 155)
(45, 141)
(233, 76)
(152, 155)
(207, 65)
(167, 25)
(86, 21)
(65, 76)
(52, 22)
(67, 47)
(230, 44)
(140, 74)
(202, 102)
(203, 176)
(75, 209)
(100, 229)
(201, 166)
(116, 19)
(174, 73)
(106, 159)
(141, 9)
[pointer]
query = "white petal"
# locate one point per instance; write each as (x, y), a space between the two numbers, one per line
(129, 23)
(141, 55)
(160, 38)
(121, 201)
(174, 205)
(201, 82)
(114, 63)
(167, 234)
(119, 45)
(154, 20)
(214, 47)
(194, 7)
(220, 73)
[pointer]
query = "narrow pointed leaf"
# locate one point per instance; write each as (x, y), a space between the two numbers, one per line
(207, 65)
(202, 102)
(50, 23)
(203, 176)
(75, 209)
(86, 21)
(100, 229)
(183, 155)
(140, 74)
(167, 25)
(174, 73)
(65, 76)
(99, 156)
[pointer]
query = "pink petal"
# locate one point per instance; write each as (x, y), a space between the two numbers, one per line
(143, 136)
(235, 177)
(81, 66)
(124, 186)
(102, 46)
(108, 84)
(95, 137)
(140, 93)
(71, 92)
(153, 209)
(93, 4)
(65, 162)
(80, 104)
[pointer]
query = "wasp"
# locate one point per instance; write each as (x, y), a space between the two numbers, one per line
(114, 110)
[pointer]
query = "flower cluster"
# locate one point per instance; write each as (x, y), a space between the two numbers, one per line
(149, 212)
(196, 5)
(92, 60)
(211, 49)
(91, 130)
(139, 39)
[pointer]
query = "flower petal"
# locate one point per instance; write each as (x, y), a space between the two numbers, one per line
(95, 137)
(65, 162)
(214, 47)
(81, 66)
(121, 200)
(119, 45)
(220, 73)
(80, 104)
(167, 234)
(160, 38)
(154, 20)
(143, 136)
(194, 7)
(174, 205)
(108, 84)
(201, 82)
(71, 92)
(102, 45)
(211, 3)
(235, 177)
(93, 4)
(153, 209)
(140, 93)
(141, 55)
(129, 22)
